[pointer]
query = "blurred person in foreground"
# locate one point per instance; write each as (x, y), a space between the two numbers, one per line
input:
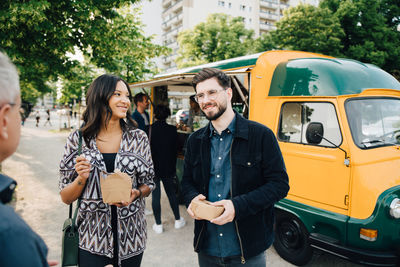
(113, 233)
(164, 150)
(19, 245)
(235, 163)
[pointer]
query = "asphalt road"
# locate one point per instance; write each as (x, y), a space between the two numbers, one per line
(35, 167)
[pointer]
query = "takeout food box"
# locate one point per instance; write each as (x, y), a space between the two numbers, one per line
(116, 187)
(202, 209)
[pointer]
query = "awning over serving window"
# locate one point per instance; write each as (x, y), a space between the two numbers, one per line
(184, 78)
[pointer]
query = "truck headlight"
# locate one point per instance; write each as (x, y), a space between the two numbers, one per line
(395, 208)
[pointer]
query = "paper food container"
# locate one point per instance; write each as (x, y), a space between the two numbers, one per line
(116, 187)
(202, 209)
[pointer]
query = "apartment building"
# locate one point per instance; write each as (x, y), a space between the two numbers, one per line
(178, 15)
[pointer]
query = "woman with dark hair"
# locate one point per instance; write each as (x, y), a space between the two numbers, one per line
(164, 144)
(108, 233)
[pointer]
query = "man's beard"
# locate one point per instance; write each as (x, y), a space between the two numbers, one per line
(221, 110)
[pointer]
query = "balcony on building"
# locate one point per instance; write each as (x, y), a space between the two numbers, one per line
(176, 5)
(266, 27)
(269, 3)
(176, 31)
(165, 26)
(178, 20)
(268, 15)
(284, 4)
(166, 3)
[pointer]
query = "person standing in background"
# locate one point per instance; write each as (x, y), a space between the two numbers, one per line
(164, 149)
(140, 114)
(23, 117)
(142, 118)
(193, 112)
(37, 117)
(48, 117)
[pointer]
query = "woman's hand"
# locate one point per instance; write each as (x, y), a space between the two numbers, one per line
(82, 167)
(135, 193)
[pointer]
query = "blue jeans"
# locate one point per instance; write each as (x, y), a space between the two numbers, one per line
(205, 260)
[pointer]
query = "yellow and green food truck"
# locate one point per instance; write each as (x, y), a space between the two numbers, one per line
(337, 122)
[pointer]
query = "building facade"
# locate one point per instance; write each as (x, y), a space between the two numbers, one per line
(178, 15)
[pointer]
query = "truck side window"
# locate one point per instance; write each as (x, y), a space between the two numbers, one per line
(290, 126)
(296, 116)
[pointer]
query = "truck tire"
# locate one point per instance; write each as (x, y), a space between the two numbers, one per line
(291, 239)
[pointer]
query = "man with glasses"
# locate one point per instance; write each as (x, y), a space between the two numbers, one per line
(19, 245)
(237, 164)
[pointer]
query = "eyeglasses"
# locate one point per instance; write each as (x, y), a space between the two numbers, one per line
(211, 94)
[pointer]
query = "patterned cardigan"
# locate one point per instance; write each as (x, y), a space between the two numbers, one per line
(94, 216)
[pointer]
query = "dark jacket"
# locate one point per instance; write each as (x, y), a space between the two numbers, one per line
(164, 144)
(259, 179)
(140, 121)
(19, 245)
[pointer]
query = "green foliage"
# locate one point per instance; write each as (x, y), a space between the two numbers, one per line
(309, 28)
(79, 82)
(37, 35)
(371, 30)
(264, 43)
(123, 48)
(220, 37)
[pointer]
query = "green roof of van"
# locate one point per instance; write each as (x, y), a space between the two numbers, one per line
(327, 77)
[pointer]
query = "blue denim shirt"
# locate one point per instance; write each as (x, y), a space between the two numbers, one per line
(221, 240)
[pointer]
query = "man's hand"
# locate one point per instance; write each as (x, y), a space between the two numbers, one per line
(229, 213)
(189, 209)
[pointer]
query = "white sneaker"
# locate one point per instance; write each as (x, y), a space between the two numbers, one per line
(180, 223)
(158, 228)
(147, 212)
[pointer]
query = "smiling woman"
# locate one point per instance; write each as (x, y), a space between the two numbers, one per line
(111, 141)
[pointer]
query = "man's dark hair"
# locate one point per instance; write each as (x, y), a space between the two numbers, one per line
(138, 98)
(208, 73)
(161, 112)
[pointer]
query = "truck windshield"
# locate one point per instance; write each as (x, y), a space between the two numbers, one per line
(374, 122)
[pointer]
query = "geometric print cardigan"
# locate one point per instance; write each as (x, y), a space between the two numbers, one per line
(94, 216)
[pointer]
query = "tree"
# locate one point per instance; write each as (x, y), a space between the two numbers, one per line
(309, 28)
(264, 43)
(124, 49)
(37, 35)
(73, 87)
(371, 30)
(220, 37)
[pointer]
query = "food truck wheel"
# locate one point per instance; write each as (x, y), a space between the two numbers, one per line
(291, 239)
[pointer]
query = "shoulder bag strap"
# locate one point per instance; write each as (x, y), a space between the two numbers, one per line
(79, 199)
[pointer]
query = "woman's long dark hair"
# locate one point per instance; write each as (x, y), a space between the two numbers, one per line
(97, 97)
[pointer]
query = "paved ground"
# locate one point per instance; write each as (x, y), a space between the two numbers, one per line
(35, 167)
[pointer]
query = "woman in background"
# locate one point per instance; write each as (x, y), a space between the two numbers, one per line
(116, 233)
(164, 145)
